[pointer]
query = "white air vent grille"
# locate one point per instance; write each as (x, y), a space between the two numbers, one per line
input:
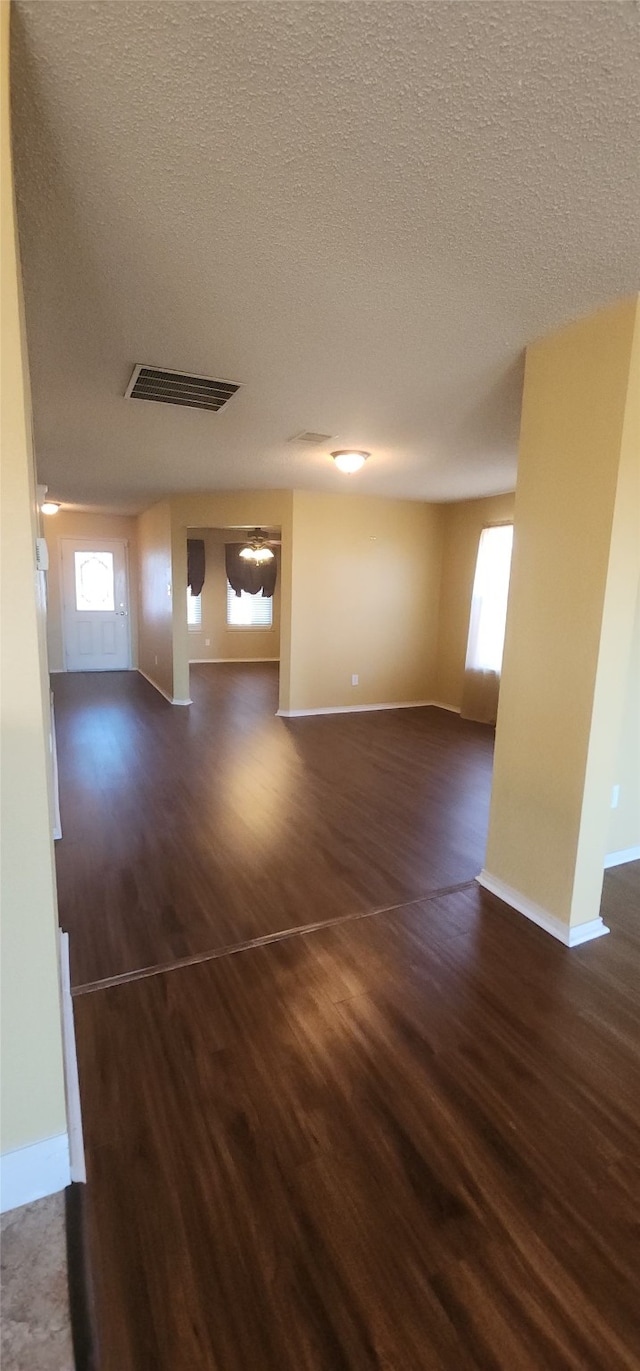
(308, 437)
(178, 388)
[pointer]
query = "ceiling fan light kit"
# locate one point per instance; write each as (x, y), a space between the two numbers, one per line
(257, 549)
(257, 554)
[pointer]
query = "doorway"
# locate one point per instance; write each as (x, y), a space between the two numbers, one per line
(95, 597)
(231, 624)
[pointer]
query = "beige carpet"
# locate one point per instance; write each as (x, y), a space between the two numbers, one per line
(35, 1328)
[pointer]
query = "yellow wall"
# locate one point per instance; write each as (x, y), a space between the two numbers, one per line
(624, 822)
(461, 528)
(33, 1102)
(224, 643)
(569, 625)
(616, 633)
(72, 524)
(365, 589)
(155, 602)
(382, 602)
(228, 509)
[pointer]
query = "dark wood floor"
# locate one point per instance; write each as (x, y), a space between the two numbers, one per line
(407, 1142)
(190, 830)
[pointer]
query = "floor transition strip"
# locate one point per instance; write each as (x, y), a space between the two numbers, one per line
(144, 972)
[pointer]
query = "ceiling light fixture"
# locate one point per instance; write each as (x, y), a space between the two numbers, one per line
(257, 554)
(348, 461)
(256, 550)
(49, 507)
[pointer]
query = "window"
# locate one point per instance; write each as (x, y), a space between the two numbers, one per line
(248, 611)
(94, 580)
(194, 609)
(489, 602)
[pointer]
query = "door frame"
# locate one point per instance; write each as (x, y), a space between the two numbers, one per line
(90, 543)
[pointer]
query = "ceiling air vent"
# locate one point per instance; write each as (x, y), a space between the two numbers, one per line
(177, 388)
(308, 437)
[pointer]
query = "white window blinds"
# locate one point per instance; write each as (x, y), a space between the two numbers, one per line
(194, 610)
(248, 611)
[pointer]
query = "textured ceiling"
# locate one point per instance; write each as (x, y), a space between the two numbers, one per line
(361, 211)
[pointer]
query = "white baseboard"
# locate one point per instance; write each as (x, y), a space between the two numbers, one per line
(31, 1173)
(160, 690)
(155, 685)
(72, 1083)
(354, 709)
(242, 661)
(62, 670)
(628, 854)
(55, 780)
(451, 709)
(570, 935)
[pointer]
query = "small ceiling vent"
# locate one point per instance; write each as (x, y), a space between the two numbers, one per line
(308, 437)
(177, 388)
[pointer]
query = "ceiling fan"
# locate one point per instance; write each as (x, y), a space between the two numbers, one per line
(259, 547)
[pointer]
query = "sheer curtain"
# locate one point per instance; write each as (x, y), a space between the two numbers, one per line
(487, 625)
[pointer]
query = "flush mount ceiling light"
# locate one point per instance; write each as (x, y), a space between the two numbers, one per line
(348, 461)
(49, 507)
(257, 550)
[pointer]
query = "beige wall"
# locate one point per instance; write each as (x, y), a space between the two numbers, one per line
(373, 610)
(155, 604)
(33, 1102)
(214, 641)
(73, 524)
(570, 621)
(384, 604)
(621, 329)
(624, 823)
(365, 590)
(462, 526)
(228, 509)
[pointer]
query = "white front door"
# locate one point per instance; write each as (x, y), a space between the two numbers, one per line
(95, 605)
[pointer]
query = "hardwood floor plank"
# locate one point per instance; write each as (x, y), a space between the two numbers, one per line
(190, 830)
(392, 1143)
(406, 1141)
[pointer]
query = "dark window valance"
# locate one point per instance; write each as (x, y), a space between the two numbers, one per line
(195, 564)
(244, 575)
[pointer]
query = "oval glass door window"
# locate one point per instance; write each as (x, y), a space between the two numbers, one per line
(94, 581)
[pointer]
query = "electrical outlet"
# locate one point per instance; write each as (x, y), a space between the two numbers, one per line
(355, 680)
(207, 642)
(615, 796)
(156, 659)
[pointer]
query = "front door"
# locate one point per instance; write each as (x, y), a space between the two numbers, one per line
(95, 605)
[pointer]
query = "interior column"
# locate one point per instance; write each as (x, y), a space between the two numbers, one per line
(574, 581)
